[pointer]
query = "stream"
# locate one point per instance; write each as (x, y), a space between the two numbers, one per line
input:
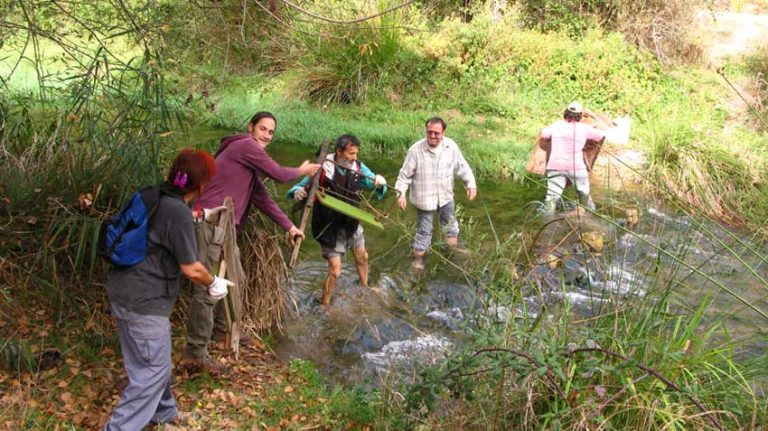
(407, 318)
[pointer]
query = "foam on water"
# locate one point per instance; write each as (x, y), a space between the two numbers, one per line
(450, 317)
(426, 349)
(623, 281)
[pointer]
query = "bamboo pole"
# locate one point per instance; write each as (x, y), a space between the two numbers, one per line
(310, 200)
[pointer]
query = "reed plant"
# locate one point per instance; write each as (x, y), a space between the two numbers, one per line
(649, 358)
(100, 126)
(756, 67)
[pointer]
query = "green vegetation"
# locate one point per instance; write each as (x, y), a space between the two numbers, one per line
(96, 98)
(756, 65)
(656, 372)
(341, 408)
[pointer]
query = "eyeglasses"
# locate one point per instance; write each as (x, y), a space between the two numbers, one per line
(430, 133)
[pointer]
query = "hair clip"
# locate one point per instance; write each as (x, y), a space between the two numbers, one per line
(180, 180)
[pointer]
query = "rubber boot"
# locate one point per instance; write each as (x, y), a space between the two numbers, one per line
(549, 207)
(586, 200)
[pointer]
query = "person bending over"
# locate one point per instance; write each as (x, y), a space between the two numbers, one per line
(143, 295)
(342, 176)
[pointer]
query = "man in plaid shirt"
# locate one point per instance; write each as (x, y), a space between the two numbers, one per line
(429, 169)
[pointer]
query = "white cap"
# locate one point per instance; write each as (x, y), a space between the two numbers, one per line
(575, 107)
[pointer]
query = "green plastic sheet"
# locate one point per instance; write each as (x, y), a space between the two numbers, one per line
(348, 210)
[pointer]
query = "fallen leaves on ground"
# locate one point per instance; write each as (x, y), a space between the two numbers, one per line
(81, 392)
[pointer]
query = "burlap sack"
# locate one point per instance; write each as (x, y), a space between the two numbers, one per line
(537, 161)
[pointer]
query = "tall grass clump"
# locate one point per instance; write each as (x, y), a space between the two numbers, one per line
(65, 170)
(640, 365)
(344, 63)
(656, 351)
(756, 65)
(718, 175)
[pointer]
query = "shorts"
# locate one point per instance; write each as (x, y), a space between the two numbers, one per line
(343, 243)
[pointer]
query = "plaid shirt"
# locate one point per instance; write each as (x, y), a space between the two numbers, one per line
(431, 173)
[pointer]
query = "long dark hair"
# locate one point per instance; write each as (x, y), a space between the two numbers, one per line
(262, 114)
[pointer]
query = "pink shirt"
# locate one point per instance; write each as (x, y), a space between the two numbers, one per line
(568, 139)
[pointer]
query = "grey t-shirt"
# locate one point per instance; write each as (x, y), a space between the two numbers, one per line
(151, 287)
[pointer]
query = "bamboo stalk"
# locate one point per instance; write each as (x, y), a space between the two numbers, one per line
(310, 201)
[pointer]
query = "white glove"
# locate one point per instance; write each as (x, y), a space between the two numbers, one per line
(300, 194)
(218, 288)
(379, 181)
(209, 214)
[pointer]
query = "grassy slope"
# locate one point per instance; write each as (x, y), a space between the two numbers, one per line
(518, 81)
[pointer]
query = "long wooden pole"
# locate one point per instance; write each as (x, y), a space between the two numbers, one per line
(234, 274)
(310, 202)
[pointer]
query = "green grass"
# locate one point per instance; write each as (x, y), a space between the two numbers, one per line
(309, 396)
(496, 84)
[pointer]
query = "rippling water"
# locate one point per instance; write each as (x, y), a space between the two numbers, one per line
(408, 318)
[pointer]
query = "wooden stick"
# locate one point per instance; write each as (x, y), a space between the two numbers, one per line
(233, 298)
(310, 202)
(223, 274)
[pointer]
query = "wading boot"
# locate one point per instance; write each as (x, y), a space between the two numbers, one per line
(586, 200)
(549, 206)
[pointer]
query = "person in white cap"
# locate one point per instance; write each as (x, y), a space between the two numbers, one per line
(566, 160)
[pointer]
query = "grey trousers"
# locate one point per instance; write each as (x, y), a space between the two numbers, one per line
(205, 313)
(556, 181)
(425, 224)
(146, 345)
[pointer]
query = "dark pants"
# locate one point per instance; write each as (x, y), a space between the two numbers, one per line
(205, 313)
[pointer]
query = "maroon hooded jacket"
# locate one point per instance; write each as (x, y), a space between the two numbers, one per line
(240, 164)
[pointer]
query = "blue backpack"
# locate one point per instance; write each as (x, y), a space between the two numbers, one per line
(123, 238)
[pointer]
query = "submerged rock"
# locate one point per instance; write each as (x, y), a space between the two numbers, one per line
(370, 335)
(444, 295)
(595, 241)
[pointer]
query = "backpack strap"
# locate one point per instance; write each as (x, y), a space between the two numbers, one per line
(151, 196)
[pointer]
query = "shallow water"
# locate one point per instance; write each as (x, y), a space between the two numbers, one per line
(407, 317)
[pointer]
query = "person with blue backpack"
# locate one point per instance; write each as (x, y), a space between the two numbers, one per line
(151, 244)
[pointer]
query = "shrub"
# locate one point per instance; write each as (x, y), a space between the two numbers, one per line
(756, 65)
(660, 26)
